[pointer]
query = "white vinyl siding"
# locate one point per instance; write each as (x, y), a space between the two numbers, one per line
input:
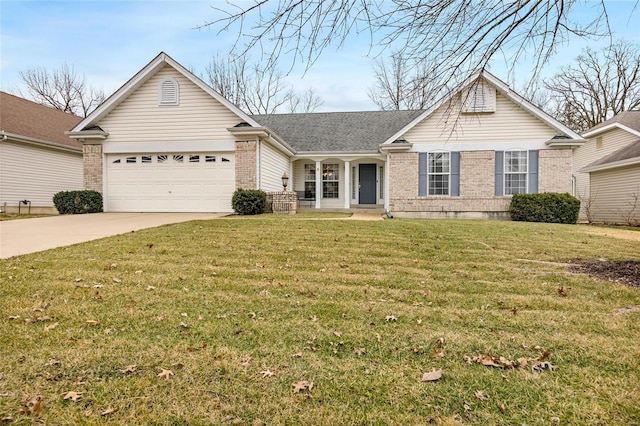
(612, 193)
(509, 123)
(612, 141)
(36, 174)
(139, 118)
(273, 164)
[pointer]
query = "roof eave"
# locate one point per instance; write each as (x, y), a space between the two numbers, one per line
(262, 133)
(565, 143)
(612, 165)
(395, 147)
(595, 132)
(307, 154)
(87, 134)
(34, 141)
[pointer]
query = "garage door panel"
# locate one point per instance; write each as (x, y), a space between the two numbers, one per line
(191, 182)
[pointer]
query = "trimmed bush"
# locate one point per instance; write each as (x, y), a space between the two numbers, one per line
(249, 201)
(78, 202)
(549, 207)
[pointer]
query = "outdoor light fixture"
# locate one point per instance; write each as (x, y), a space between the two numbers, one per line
(285, 181)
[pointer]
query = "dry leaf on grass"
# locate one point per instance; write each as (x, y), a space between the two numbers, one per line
(391, 318)
(73, 396)
(302, 385)
(432, 376)
(108, 411)
(129, 369)
(33, 405)
(92, 323)
(267, 373)
(486, 359)
(50, 326)
(359, 351)
(165, 373)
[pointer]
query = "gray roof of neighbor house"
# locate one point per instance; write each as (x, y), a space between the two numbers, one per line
(337, 131)
(630, 119)
(33, 121)
(628, 152)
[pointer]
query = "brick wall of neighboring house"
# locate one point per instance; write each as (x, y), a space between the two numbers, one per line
(92, 167)
(477, 185)
(554, 170)
(246, 165)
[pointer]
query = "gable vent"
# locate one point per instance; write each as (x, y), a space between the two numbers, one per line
(169, 92)
(479, 97)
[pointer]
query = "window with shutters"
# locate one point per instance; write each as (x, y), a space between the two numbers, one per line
(169, 92)
(438, 173)
(515, 172)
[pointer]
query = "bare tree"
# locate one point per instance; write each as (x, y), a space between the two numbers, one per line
(456, 37)
(308, 101)
(256, 89)
(400, 84)
(62, 89)
(596, 86)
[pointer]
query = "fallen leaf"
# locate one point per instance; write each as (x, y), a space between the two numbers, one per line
(267, 373)
(436, 353)
(359, 351)
(33, 405)
(73, 396)
(50, 326)
(378, 337)
(391, 318)
(432, 376)
(297, 355)
(337, 333)
(302, 385)
(129, 369)
(313, 318)
(165, 373)
(14, 317)
(149, 288)
(92, 323)
(183, 325)
(481, 396)
(116, 280)
(108, 411)
(52, 362)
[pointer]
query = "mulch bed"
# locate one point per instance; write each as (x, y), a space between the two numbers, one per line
(624, 272)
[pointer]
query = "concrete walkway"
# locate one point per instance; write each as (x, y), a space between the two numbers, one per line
(23, 236)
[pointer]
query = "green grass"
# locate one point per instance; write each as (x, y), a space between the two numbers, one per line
(14, 216)
(312, 300)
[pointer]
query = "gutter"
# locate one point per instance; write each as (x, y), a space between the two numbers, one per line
(34, 141)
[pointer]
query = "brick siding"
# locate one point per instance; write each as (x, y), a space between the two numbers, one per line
(92, 167)
(246, 165)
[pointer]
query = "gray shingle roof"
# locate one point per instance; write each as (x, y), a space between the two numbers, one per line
(337, 131)
(628, 152)
(630, 119)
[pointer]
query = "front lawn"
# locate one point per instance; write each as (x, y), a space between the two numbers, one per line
(270, 321)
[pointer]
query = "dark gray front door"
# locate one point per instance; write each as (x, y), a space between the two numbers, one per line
(367, 184)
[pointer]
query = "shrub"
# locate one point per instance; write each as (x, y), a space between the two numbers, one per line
(249, 201)
(78, 202)
(549, 207)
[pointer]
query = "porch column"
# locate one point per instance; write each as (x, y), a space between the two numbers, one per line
(347, 185)
(318, 183)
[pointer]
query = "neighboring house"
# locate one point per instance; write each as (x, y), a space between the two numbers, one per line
(165, 141)
(607, 170)
(37, 158)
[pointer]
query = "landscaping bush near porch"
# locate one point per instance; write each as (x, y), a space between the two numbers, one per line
(78, 202)
(249, 201)
(279, 320)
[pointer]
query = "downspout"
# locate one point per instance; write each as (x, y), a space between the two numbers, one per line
(4, 136)
(258, 158)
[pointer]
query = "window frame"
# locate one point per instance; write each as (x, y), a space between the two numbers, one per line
(507, 172)
(331, 181)
(431, 173)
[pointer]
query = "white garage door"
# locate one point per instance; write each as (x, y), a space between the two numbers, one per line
(173, 182)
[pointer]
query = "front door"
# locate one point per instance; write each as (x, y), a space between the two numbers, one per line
(367, 186)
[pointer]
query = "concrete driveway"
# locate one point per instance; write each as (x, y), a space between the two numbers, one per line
(23, 236)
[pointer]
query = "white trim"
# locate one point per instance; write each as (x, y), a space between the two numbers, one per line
(11, 137)
(613, 165)
(347, 184)
(501, 87)
(590, 133)
(504, 171)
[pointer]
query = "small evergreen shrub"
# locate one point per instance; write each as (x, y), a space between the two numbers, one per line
(78, 202)
(549, 207)
(249, 201)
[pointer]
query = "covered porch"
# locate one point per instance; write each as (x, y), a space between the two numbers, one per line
(340, 183)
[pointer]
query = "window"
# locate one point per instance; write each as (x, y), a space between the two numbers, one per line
(330, 181)
(162, 158)
(438, 173)
(118, 161)
(145, 159)
(131, 159)
(225, 160)
(310, 181)
(194, 158)
(210, 158)
(178, 158)
(168, 92)
(515, 172)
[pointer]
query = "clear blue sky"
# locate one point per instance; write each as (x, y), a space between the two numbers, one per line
(109, 41)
